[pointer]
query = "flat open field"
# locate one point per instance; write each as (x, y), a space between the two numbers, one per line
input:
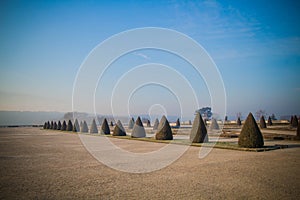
(47, 164)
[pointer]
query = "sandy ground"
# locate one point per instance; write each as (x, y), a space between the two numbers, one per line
(39, 164)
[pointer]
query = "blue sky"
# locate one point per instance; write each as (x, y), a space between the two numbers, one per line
(255, 44)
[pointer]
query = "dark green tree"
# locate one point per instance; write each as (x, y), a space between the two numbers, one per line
(45, 125)
(250, 136)
(148, 123)
(164, 130)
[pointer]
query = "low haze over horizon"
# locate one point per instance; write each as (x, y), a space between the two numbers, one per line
(254, 44)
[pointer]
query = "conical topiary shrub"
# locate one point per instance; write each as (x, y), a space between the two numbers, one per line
(104, 127)
(45, 125)
(54, 126)
(262, 122)
(198, 132)
(48, 125)
(295, 121)
(51, 125)
(138, 130)
(111, 123)
(64, 126)
(298, 131)
(94, 128)
(250, 136)
(84, 127)
(130, 123)
(119, 129)
(270, 123)
(178, 123)
(69, 126)
(239, 122)
(214, 124)
(164, 130)
(190, 122)
(148, 123)
(155, 125)
(76, 127)
(58, 125)
(292, 119)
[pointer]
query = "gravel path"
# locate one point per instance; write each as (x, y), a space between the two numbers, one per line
(39, 164)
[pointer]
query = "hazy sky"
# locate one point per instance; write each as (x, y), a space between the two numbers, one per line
(255, 45)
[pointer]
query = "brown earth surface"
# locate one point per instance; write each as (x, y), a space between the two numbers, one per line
(45, 164)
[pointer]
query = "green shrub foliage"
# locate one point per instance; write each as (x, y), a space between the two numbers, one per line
(119, 129)
(94, 128)
(164, 130)
(84, 128)
(155, 125)
(270, 123)
(250, 136)
(105, 128)
(58, 125)
(199, 132)
(138, 130)
(70, 126)
(262, 122)
(76, 127)
(130, 123)
(295, 121)
(239, 122)
(178, 122)
(64, 126)
(214, 124)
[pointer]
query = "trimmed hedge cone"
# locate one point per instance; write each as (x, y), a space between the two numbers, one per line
(130, 123)
(58, 125)
(270, 123)
(262, 122)
(164, 130)
(155, 125)
(94, 128)
(105, 128)
(178, 123)
(84, 128)
(138, 130)
(199, 131)
(119, 129)
(76, 127)
(239, 122)
(214, 124)
(294, 121)
(64, 126)
(250, 136)
(70, 126)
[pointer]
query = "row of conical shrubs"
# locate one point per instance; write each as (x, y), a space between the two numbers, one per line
(249, 137)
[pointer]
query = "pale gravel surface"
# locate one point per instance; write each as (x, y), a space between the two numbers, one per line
(39, 164)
